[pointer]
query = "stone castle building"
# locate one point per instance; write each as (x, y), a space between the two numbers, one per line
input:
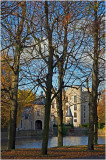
(75, 110)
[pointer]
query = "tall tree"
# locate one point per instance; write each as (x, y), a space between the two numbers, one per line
(61, 72)
(93, 120)
(49, 81)
(95, 72)
(15, 41)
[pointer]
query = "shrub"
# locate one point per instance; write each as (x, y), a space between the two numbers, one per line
(86, 132)
(69, 125)
(101, 125)
(104, 131)
(86, 125)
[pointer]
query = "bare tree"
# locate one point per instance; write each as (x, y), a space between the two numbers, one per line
(13, 41)
(95, 78)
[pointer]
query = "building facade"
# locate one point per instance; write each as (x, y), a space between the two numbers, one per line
(75, 110)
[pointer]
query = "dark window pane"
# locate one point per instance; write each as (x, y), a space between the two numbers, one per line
(75, 99)
(75, 120)
(26, 116)
(66, 99)
(84, 108)
(38, 113)
(21, 123)
(75, 107)
(75, 114)
(84, 114)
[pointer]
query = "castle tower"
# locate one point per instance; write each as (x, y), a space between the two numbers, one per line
(69, 117)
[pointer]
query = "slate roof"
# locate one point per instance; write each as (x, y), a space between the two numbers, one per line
(69, 114)
(40, 101)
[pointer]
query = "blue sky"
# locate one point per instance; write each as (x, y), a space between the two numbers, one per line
(36, 64)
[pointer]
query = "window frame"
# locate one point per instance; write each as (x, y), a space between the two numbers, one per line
(38, 113)
(75, 114)
(75, 120)
(75, 107)
(75, 99)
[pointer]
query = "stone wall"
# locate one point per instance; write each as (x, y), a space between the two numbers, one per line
(72, 131)
(69, 132)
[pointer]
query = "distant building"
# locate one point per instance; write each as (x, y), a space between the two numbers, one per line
(73, 99)
(75, 110)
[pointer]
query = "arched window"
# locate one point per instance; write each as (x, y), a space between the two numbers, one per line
(38, 125)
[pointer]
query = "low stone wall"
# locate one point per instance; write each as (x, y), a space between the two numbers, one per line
(25, 133)
(32, 133)
(68, 132)
(29, 133)
(72, 131)
(76, 132)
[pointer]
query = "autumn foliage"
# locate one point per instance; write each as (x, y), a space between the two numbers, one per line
(5, 87)
(25, 97)
(70, 152)
(101, 108)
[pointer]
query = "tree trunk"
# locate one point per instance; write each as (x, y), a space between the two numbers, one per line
(96, 130)
(60, 122)
(47, 106)
(59, 109)
(13, 102)
(48, 85)
(13, 113)
(95, 74)
(46, 122)
(93, 131)
(91, 125)
(61, 70)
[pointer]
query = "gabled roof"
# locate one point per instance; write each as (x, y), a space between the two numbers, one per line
(69, 114)
(40, 101)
